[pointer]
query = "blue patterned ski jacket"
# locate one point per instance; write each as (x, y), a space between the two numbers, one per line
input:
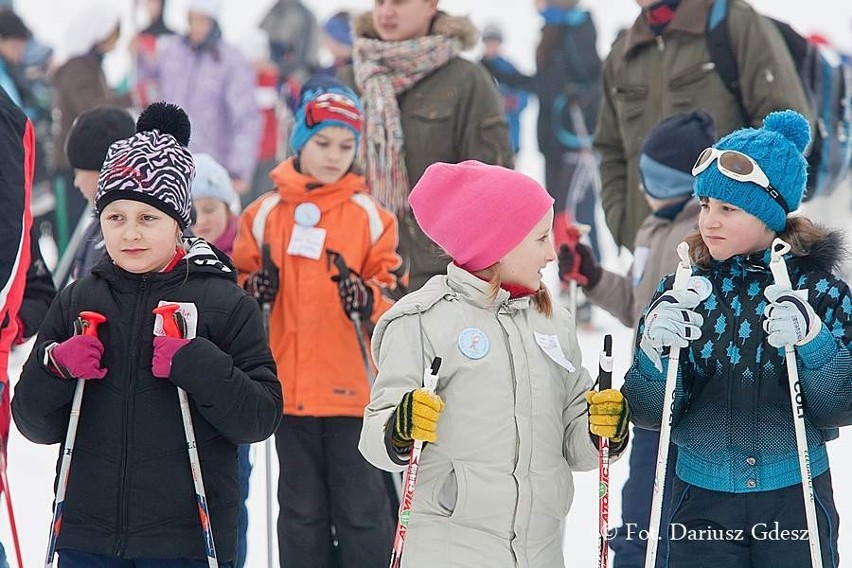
(732, 417)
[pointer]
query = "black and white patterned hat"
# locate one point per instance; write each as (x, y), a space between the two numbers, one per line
(152, 166)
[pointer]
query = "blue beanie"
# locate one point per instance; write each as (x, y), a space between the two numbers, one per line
(343, 108)
(337, 28)
(669, 152)
(778, 149)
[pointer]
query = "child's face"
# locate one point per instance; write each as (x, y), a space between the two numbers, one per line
(522, 266)
(327, 155)
(87, 182)
(211, 218)
(728, 230)
(399, 20)
(139, 238)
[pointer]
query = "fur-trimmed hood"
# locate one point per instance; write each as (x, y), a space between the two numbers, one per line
(459, 27)
(827, 254)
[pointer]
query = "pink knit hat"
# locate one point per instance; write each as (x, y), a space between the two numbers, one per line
(477, 212)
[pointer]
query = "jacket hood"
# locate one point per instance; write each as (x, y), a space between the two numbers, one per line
(201, 258)
(827, 254)
(459, 27)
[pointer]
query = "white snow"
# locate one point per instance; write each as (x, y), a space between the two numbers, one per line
(32, 467)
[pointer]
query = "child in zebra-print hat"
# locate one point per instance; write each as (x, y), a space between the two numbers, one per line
(152, 166)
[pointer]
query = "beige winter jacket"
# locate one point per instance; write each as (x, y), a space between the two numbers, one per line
(654, 257)
(494, 488)
(648, 78)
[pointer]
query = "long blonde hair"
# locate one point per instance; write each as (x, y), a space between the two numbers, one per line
(800, 233)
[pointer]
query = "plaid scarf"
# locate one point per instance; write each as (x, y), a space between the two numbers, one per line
(384, 70)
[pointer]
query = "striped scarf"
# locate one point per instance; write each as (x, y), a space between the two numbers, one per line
(384, 70)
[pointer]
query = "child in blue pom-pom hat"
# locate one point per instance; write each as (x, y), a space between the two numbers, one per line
(737, 497)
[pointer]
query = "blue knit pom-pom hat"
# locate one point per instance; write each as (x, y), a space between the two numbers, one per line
(778, 148)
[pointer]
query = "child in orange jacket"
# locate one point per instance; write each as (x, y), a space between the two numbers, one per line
(319, 251)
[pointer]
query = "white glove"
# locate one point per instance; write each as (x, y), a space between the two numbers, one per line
(789, 318)
(671, 322)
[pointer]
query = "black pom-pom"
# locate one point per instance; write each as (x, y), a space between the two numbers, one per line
(168, 119)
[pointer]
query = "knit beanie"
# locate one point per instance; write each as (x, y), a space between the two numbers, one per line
(778, 148)
(339, 29)
(152, 166)
(669, 152)
(477, 212)
(12, 26)
(210, 8)
(323, 102)
(211, 180)
(492, 32)
(92, 134)
(90, 23)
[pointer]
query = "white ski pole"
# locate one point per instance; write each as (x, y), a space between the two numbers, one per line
(266, 256)
(87, 324)
(779, 272)
(430, 382)
(172, 320)
(684, 271)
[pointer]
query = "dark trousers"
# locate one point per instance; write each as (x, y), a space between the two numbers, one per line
(333, 503)
(570, 180)
(77, 559)
(636, 495)
(747, 530)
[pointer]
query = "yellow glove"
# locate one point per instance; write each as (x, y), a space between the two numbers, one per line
(416, 417)
(609, 414)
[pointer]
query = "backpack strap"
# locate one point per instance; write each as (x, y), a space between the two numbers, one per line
(258, 225)
(722, 53)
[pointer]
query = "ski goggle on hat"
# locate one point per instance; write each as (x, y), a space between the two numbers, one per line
(738, 167)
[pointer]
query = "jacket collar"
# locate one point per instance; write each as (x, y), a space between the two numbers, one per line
(295, 187)
(477, 291)
(690, 19)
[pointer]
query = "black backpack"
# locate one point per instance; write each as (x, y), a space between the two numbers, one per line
(826, 81)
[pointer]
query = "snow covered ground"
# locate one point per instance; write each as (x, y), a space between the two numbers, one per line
(32, 467)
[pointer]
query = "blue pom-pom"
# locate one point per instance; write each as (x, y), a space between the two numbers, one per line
(791, 125)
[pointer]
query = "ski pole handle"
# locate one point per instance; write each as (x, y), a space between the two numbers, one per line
(171, 323)
(777, 265)
(90, 321)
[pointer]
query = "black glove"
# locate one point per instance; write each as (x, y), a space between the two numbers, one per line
(579, 264)
(355, 296)
(262, 285)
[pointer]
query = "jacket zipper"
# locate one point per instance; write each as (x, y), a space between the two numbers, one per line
(127, 408)
(517, 433)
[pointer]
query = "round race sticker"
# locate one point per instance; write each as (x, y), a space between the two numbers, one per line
(701, 285)
(307, 214)
(473, 343)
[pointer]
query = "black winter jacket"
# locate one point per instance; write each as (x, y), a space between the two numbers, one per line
(130, 492)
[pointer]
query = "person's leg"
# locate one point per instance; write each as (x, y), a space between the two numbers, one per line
(708, 529)
(244, 465)
(780, 529)
(636, 497)
(79, 559)
(304, 527)
(357, 497)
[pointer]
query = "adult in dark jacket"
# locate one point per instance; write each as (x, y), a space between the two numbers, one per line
(661, 67)
(424, 103)
(130, 493)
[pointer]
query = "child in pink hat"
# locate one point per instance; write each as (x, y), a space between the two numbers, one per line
(513, 413)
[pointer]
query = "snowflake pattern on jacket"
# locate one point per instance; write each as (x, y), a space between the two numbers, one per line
(732, 417)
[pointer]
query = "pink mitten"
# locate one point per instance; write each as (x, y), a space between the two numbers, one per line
(78, 357)
(164, 350)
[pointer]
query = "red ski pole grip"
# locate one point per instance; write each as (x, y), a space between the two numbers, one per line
(91, 321)
(170, 325)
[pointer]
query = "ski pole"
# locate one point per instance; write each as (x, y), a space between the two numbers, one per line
(266, 260)
(779, 272)
(4, 479)
(575, 232)
(684, 271)
(86, 324)
(604, 382)
(345, 273)
(174, 325)
(430, 382)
